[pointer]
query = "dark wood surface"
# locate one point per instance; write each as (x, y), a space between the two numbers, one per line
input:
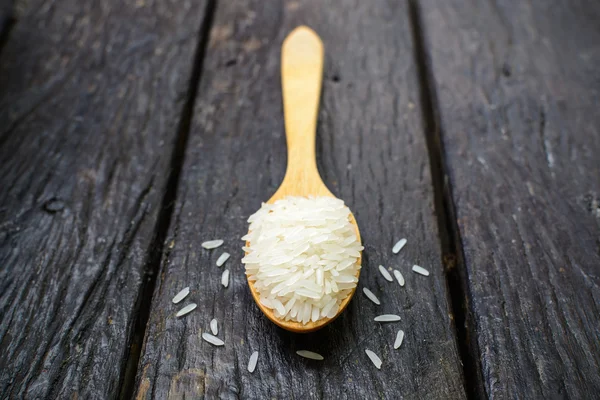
(6, 20)
(518, 89)
(372, 154)
(128, 137)
(90, 98)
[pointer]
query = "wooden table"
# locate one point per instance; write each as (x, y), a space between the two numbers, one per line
(132, 131)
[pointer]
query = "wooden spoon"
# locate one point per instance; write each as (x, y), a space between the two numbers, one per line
(301, 77)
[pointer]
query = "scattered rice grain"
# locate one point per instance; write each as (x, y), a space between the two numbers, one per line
(212, 244)
(225, 278)
(310, 354)
(371, 296)
(214, 327)
(252, 362)
(374, 358)
(187, 309)
(399, 277)
(222, 259)
(387, 318)
(420, 270)
(385, 273)
(212, 339)
(399, 339)
(398, 246)
(181, 295)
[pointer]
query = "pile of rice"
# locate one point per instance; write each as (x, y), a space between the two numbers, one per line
(302, 257)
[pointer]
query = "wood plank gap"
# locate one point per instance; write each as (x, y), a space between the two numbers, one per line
(157, 247)
(449, 234)
(7, 21)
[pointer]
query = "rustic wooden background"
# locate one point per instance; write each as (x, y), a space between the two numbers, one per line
(131, 131)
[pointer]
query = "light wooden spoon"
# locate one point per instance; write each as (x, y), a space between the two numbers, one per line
(301, 77)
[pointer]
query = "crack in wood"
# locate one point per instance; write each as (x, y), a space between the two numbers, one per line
(7, 21)
(156, 249)
(449, 234)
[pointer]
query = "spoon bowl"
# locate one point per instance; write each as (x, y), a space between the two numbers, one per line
(301, 78)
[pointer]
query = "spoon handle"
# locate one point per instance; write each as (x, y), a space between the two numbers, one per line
(301, 78)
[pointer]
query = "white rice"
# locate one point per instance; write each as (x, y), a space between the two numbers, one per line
(374, 358)
(252, 362)
(399, 277)
(387, 318)
(181, 295)
(225, 278)
(212, 244)
(310, 354)
(385, 273)
(212, 339)
(214, 327)
(222, 259)
(399, 339)
(187, 309)
(420, 270)
(398, 246)
(371, 296)
(302, 256)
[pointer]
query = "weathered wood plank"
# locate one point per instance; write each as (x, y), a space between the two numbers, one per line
(372, 153)
(518, 93)
(90, 98)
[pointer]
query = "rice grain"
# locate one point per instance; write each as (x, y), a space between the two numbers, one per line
(374, 358)
(310, 354)
(371, 296)
(212, 244)
(187, 309)
(303, 249)
(222, 259)
(225, 278)
(181, 295)
(214, 327)
(387, 318)
(252, 362)
(399, 277)
(385, 273)
(420, 270)
(398, 246)
(399, 339)
(212, 339)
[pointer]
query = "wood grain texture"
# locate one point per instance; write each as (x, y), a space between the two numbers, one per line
(371, 153)
(518, 90)
(302, 58)
(90, 98)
